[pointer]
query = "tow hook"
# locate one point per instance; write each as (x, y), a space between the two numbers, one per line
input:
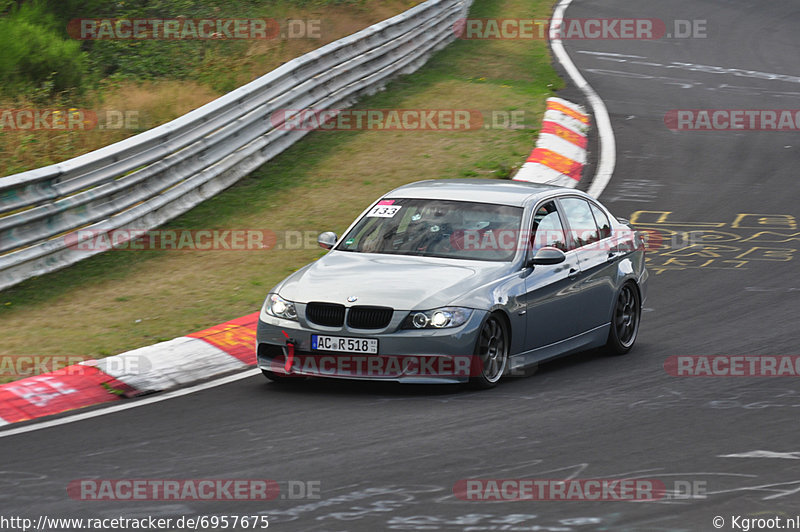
(290, 343)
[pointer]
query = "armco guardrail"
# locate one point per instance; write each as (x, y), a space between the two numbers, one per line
(143, 181)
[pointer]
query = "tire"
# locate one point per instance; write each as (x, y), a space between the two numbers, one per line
(279, 378)
(491, 349)
(625, 320)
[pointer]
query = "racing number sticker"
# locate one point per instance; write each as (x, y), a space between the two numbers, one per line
(383, 211)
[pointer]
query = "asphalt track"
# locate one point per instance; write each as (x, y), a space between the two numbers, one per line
(387, 456)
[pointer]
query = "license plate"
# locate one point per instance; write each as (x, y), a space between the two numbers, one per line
(344, 345)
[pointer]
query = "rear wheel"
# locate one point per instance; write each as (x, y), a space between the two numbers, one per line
(491, 351)
(625, 320)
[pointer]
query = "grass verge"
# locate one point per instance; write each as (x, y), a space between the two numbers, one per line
(122, 300)
(159, 83)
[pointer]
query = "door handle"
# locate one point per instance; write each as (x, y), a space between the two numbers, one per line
(573, 273)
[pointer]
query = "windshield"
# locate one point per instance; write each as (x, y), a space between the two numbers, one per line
(437, 228)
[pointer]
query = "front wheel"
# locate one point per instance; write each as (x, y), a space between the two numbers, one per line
(625, 320)
(491, 352)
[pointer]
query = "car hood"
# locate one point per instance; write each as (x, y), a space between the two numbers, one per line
(397, 281)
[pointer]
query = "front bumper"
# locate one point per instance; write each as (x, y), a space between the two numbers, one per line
(404, 355)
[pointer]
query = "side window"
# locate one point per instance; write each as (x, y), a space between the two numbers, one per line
(547, 229)
(602, 221)
(582, 228)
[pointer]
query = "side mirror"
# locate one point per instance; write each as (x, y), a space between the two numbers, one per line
(327, 239)
(548, 256)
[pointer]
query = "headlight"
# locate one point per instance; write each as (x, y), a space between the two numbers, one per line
(276, 306)
(440, 318)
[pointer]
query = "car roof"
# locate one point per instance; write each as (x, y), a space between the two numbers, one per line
(496, 191)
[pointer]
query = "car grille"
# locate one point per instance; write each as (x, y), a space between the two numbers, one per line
(332, 315)
(369, 317)
(327, 314)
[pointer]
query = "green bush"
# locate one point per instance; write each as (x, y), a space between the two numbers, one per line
(39, 59)
(35, 56)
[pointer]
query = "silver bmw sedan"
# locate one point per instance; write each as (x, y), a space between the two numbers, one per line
(458, 281)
